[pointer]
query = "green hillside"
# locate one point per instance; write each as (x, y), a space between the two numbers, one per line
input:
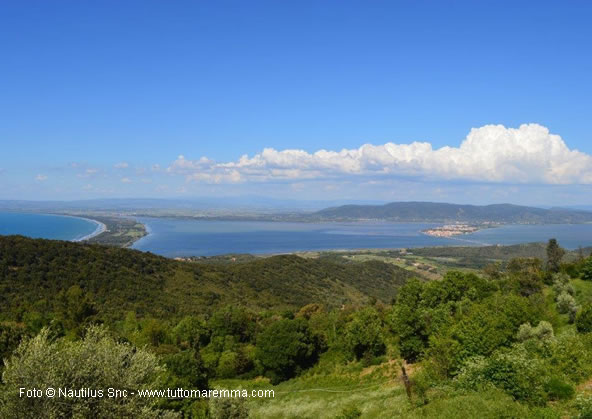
(342, 335)
(444, 212)
(34, 272)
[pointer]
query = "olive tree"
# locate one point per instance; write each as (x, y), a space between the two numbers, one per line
(95, 363)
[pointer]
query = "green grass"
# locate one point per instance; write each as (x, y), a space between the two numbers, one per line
(373, 390)
(583, 291)
(378, 393)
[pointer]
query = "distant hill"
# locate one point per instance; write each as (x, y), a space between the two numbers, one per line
(442, 212)
(35, 273)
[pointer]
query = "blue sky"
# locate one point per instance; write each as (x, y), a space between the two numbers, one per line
(86, 87)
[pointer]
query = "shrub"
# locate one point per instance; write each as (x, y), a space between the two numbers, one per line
(186, 369)
(557, 389)
(351, 412)
(561, 278)
(587, 270)
(571, 356)
(560, 287)
(95, 362)
(584, 319)
(228, 408)
(542, 332)
(566, 304)
(584, 406)
(10, 337)
(227, 365)
(514, 371)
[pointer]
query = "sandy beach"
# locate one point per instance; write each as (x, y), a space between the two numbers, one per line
(100, 229)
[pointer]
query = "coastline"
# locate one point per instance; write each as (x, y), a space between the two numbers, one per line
(101, 228)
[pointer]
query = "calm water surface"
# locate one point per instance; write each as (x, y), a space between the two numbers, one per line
(45, 226)
(174, 237)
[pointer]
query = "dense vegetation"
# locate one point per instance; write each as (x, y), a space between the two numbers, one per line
(36, 276)
(514, 340)
(120, 231)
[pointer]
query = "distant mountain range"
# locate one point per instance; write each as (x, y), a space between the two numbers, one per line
(237, 203)
(441, 212)
(267, 209)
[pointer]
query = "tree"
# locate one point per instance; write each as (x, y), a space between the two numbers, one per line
(185, 369)
(285, 348)
(74, 307)
(97, 362)
(191, 331)
(364, 334)
(554, 255)
(406, 321)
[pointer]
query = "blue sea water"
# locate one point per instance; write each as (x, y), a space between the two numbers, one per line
(45, 226)
(178, 238)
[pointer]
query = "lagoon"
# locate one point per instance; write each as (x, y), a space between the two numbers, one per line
(182, 237)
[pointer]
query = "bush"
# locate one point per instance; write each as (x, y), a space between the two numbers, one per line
(560, 287)
(492, 403)
(584, 319)
(514, 371)
(584, 406)
(557, 389)
(587, 270)
(543, 332)
(227, 365)
(351, 412)
(95, 362)
(186, 369)
(571, 356)
(566, 304)
(561, 278)
(10, 337)
(228, 408)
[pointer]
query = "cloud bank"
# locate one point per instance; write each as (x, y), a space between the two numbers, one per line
(492, 153)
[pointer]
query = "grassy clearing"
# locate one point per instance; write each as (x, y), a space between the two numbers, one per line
(583, 290)
(432, 268)
(377, 392)
(373, 390)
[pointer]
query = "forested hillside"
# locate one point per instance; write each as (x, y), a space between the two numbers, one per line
(444, 212)
(34, 273)
(333, 337)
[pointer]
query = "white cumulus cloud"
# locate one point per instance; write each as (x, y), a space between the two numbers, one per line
(41, 178)
(492, 153)
(121, 165)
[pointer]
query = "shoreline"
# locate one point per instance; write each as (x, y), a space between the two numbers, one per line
(101, 228)
(147, 229)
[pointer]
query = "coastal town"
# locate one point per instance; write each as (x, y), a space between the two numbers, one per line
(451, 230)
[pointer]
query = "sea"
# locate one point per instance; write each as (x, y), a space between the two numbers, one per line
(182, 237)
(46, 226)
